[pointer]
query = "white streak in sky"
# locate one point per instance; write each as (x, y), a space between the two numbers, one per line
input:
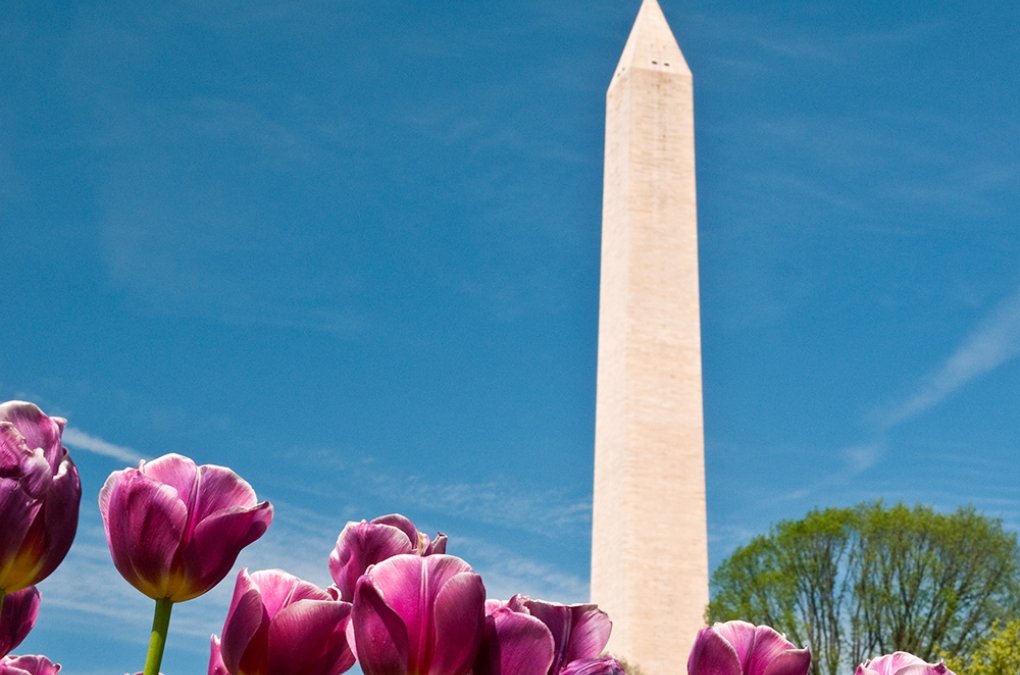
(80, 440)
(994, 342)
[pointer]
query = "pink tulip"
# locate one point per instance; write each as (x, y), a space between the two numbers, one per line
(17, 617)
(901, 663)
(363, 544)
(580, 632)
(28, 665)
(39, 495)
(741, 648)
(175, 529)
(417, 615)
(280, 625)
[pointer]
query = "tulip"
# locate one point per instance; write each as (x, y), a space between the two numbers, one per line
(901, 663)
(280, 625)
(17, 616)
(417, 615)
(741, 648)
(175, 529)
(28, 665)
(363, 544)
(580, 632)
(39, 496)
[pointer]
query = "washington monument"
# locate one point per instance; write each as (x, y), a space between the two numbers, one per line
(649, 539)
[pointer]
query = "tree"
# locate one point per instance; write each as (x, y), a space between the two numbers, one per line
(853, 583)
(997, 654)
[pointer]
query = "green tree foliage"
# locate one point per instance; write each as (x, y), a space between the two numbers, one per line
(854, 583)
(997, 654)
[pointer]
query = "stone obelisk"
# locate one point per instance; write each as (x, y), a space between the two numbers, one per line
(649, 539)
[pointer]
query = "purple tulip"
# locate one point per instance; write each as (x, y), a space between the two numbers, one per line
(28, 665)
(17, 617)
(363, 544)
(417, 615)
(39, 495)
(580, 632)
(280, 625)
(901, 663)
(741, 648)
(175, 529)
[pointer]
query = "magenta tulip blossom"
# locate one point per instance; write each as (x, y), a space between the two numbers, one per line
(175, 529)
(580, 632)
(901, 663)
(366, 543)
(17, 617)
(280, 625)
(28, 665)
(39, 496)
(417, 615)
(741, 648)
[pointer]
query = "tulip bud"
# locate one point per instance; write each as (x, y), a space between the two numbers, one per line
(363, 544)
(901, 663)
(175, 529)
(28, 665)
(39, 496)
(418, 615)
(742, 648)
(281, 625)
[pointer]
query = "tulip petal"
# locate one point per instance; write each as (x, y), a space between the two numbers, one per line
(436, 546)
(410, 585)
(278, 589)
(58, 521)
(214, 548)
(19, 512)
(39, 430)
(514, 644)
(712, 654)
(925, 669)
(379, 633)
(459, 618)
(790, 662)
(743, 637)
(144, 523)
(579, 631)
(217, 488)
(28, 665)
(245, 618)
(216, 665)
(177, 471)
(400, 522)
(768, 645)
(361, 545)
(308, 637)
(19, 613)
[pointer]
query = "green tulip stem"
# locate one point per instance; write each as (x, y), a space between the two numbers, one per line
(157, 641)
(2, 594)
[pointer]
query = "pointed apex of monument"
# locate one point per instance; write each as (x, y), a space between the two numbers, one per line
(651, 45)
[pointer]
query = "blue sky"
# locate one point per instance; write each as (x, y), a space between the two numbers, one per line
(350, 250)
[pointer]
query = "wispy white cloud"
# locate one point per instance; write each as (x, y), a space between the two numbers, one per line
(79, 440)
(994, 342)
(507, 572)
